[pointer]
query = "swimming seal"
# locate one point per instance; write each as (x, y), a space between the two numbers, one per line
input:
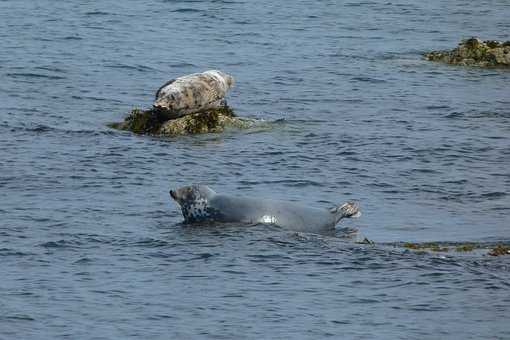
(200, 203)
(194, 93)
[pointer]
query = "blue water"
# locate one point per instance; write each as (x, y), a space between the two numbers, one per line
(91, 247)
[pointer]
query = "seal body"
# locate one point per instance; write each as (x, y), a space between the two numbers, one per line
(200, 203)
(194, 93)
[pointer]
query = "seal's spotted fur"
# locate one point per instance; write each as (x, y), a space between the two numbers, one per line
(194, 203)
(193, 93)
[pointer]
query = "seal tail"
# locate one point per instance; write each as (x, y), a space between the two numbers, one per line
(347, 209)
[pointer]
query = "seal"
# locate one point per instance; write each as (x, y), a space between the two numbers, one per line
(199, 203)
(194, 93)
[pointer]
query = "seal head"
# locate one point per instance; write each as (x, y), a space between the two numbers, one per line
(194, 201)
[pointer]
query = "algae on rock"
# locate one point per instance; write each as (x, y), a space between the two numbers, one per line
(143, 121)
(499, 250)
(204, 122)
(161, 122)
(475, 52)
(432, 246)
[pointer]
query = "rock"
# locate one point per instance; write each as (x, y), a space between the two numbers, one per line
(160, 122)
(143, 121)
(499, 250)
(363, 240)
(465, 247)
(475, 52)
(205, 122)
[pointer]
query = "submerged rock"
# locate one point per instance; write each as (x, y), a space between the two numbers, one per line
(432, 246)
(465, 247)
(160, 122)
(476, 248)
(475, 52)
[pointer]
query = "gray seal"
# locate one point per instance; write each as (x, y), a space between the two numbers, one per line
(194, 93)
(200, 203)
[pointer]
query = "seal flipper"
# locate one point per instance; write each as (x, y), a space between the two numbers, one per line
(347, 209)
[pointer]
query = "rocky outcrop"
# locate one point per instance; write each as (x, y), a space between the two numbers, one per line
(475, 52)
(160, 122)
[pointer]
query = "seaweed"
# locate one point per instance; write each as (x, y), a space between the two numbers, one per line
(146, 121)
(500, 249)
(432, 246)
(465, 247)
(156, 121)
(474, 52)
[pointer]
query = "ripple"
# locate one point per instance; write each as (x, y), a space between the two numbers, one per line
(187, 10)
(34, 76)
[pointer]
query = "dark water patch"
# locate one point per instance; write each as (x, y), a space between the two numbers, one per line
(97, 13)
(16, 317)
(179, 65)
(60, 244)
(51, 69)
(83, 261)
(369, 80)
(12, 252)
(150, 243)
(34, 76)
(72, 37)
(140, 68)
(182, 1)
(187, 10)
(290, 183)
(437, 107)
(266, 257)
(478, 115)
(494, 195)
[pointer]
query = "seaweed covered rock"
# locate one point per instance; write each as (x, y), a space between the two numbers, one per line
(217, 120)
(432, 246)
(475, 52)
(161, 122)
(143, 121)
(499, 250)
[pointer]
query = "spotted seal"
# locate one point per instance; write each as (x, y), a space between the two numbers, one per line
(200, 203)
(194, 93)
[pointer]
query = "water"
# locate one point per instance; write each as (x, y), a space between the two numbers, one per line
(92, 247)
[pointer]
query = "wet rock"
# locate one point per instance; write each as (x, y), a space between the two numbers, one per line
(363, 240)
(465, 247)
(499, 250)
(162, 122)
(143, 121)
(475, 52)
(211, 121)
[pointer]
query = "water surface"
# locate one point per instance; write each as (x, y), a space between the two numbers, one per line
(92, 247)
